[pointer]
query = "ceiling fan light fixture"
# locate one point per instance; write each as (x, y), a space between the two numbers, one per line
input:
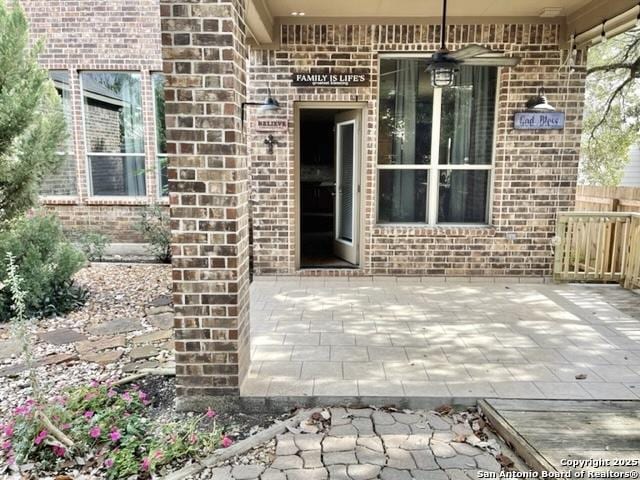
(442, 69)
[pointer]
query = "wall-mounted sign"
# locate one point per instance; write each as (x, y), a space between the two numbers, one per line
(271, 125)
(538, 120)
(329, 79)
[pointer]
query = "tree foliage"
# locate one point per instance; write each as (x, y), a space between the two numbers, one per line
(31, 118)
(612, 108)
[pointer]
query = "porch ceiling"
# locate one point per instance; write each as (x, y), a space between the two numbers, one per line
(263, 16)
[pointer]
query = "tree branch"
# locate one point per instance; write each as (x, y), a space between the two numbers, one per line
(610, 67)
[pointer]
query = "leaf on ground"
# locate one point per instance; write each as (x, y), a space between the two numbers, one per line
(444, 409)
(504, 460)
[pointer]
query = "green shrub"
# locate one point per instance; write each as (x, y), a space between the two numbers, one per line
(155, 229)
(46, 261)
(93, 245)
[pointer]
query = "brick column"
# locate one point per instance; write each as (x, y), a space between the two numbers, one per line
(204, 54)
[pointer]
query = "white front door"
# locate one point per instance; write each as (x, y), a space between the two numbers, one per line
(347, 128)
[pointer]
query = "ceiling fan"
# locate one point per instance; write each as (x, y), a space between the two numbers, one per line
(444, 64)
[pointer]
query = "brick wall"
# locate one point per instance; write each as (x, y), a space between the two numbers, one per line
(535, 172)
(98, 35)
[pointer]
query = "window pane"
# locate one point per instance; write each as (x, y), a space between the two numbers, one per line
(113, 113)
(117, 175)
(402, 196)
(62, 181)
(161, 139)
(468, 108)
(463, 196)
(405, 112)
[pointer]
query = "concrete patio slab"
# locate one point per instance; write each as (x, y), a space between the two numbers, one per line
(413, 340)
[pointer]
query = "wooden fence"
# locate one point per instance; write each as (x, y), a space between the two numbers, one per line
(607, 199)
(598, 247)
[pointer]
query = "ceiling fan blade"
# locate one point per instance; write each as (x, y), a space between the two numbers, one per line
(499, 61)
(469, 51)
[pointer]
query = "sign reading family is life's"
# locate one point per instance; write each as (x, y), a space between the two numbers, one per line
(538, 120)
(329, 79)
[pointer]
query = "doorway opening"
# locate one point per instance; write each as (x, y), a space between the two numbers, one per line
(329, 155)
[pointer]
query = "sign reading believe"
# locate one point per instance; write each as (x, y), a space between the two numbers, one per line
(329, 79)
(538, 120)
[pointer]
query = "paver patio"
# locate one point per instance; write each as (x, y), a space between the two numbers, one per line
(450, 339)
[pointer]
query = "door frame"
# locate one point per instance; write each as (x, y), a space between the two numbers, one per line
(297, 108)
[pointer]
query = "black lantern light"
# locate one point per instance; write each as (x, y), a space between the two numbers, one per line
(270, 104)
(539, 103)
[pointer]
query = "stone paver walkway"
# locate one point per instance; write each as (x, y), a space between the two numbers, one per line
(364, 444)
(453, 339)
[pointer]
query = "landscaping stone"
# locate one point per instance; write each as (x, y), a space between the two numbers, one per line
(163, 321)
(308, 474)
(286, 445)
(487, 462)
(271, 474)
(102, 358)
(457, 461)
(338, 444)
(154, 336)
(161, 301)
(141, 353)
(311, 458)
(388, 473)
(58, 358)
(13, 370)
(343, 431)
(308, 441)
(287, 462)
(363, 472)
(136, 366)
(425, 460)
(113, 327)
(101, 344)
(62, 336)
(9, 348)
(364, 455)
(246, 472)
(400, 458)
(340, 458)
(429, 475)
(442, 450)
(338, 472)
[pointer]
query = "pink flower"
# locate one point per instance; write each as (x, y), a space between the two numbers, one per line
(65, 426)
(58, 450)
(95, 432)
(193, 439)
(158, 454)
(60, 399)
(226, 442)
(22, 410)
(142, 396)
(211, 413)
(88, 414)
(108, 462)
(94, 383)
(145, 464)
(115, 435)
(126, 396)
(111, 393)
(90, 396)
(41, 436)
(8, 430)
(6, 445)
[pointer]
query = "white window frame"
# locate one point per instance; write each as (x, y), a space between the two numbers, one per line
(159, 155)
(434, 167)
(88, 153)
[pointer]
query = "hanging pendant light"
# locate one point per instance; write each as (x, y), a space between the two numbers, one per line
(443, 68)
(539, 103)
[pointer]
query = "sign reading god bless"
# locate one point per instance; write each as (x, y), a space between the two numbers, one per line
(329, 79)
(538, 120)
